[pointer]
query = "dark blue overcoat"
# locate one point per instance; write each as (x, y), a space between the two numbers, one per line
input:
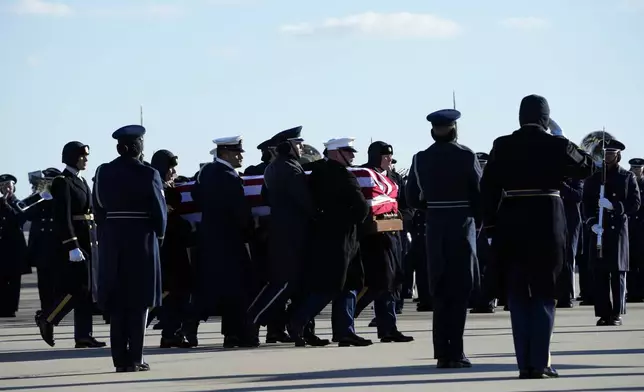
(131, 212)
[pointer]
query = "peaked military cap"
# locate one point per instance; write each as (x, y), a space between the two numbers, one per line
(344, 143)
(393, 161)
(444, 117)
(266, 144)
(481, 156)
(614, 145)
(129, 132)
(51, 172)
(292, 134)
(7, 178)
(232, 143)
(636, 162)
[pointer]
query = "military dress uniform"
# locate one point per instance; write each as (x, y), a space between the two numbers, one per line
(75, 228)
(571, 195)
(622, 198)
(43, 243)
(635, 276)
(132, 213)
(13, 249)
(452, 203)
(525, 218)
(226, 277)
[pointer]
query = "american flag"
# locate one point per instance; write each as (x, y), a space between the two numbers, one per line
(379, 190)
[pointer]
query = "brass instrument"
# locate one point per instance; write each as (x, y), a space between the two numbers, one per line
(41, 191)
(594, 144)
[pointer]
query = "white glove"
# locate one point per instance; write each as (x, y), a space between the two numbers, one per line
(409, 237)
(75, 255)
(605, 203)
(597, 229)
(489, 241)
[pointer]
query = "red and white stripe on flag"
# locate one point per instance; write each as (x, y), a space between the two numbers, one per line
(379, 191)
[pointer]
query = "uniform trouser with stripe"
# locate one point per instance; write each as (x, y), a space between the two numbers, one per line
(46, 287)
(384, 306)
(9, 292)
(127, 335)
(610, 293)
(343, 313)
(271, 296)
(78, 300)
(533, 321)
(448, 327)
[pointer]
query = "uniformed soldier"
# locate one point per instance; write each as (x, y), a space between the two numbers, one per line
(267, 148)
(382, 260)
(176, 270)
(287, 193)
(43, 241)
(453, 212)
(75, 228)
(482, 303)
(635, 277)
(131, 210)
(226, 277)
(622, 198)
(418, 255)
(571, 194)
(12, 247)
(525, 218)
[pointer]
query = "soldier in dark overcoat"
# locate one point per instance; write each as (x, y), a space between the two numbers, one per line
(287, 193)
(524, 215)
(226, 277)
(481, 299)
(621, 199)
(382, 260)
(451, 199)
(334, 271)
(635, 276)
(418, 257)
(43, 241)
(130, 208)
(13, 263)
(75, 230)
(571, 195)
(176, 270)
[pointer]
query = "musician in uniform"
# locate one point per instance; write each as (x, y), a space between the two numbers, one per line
(571, 194)
(482, 303)
(334, 271)
(226, 276)
(176, 271)
(130, 208)
(382, 260)
(75, 228)
(635, 277)
(43, 240)
(621, 199)
(287, 193)
(452, 203)
(12, 247)
(525, 218)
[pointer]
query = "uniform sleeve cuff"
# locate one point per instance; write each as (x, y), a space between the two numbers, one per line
(619, 208)
(67, 241)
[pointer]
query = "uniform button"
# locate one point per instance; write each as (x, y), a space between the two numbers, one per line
(612, 227)
(43, 229)
(51, 219)
(43, 219)
(614, 194)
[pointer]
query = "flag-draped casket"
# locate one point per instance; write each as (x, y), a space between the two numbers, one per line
(379, 190)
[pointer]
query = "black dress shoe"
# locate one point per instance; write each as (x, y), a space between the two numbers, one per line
(142, 367)
(548, 372)
(46, 329)
(126, 369)
(7, 314)
(602, 322)
(525, 374)
(443, 364)
(464, 362)
(354, 340)
(482, 310)
(282, 337)
(178, 341)
(89, 342)
(315, 341)
(396, 337)
(615, 321)
(565, 305)
(423, 307)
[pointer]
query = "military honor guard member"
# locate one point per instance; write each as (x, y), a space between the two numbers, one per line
(382, 259)
(635, 276)
(481, 300)
(43, 240)
(444, 181)
(525, 218)
(176, 271)
(75, 229)
(571, 195)
(131, 210)
(227, 279)
(621, 199)
(12, 247)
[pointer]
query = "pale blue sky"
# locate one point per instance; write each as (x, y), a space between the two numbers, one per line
(203, 69)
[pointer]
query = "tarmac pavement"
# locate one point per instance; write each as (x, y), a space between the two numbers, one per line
(588, 358)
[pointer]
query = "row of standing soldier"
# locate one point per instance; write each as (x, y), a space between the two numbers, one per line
(443, 216)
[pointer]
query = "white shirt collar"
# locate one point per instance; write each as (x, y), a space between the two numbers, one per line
(226, 163)
(73, 170)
